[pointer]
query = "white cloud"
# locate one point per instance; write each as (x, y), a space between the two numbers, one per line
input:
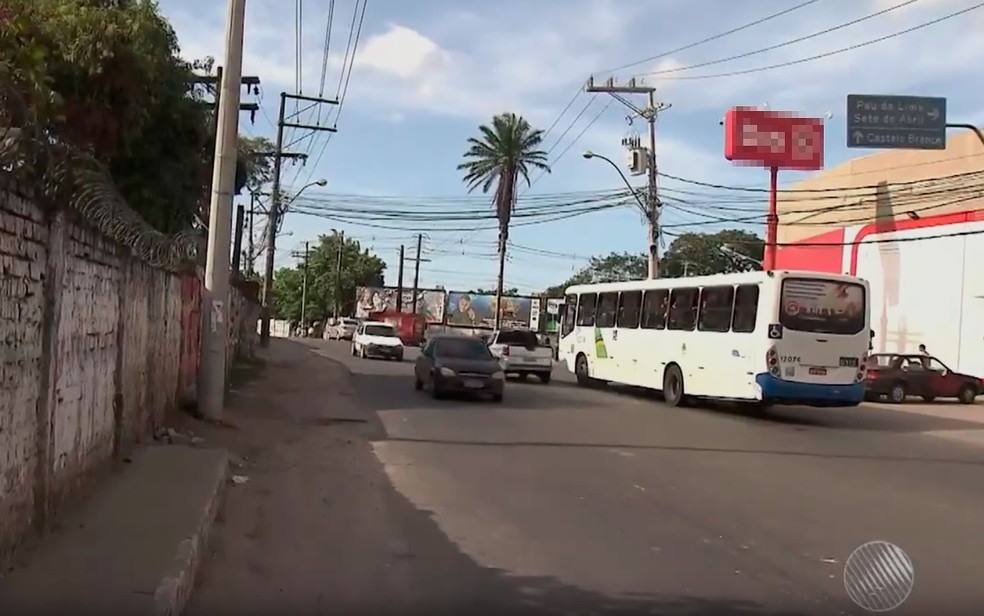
(403, 53)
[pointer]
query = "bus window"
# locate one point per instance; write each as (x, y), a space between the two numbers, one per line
(629, 304)
(822, 306)
(567, 311)
(746, 309)
(683, 309)
(715, 309)
(586, 310)
(654, 305)
(606, 309)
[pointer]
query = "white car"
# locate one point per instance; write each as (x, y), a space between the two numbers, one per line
(343, 329)
(375, 339)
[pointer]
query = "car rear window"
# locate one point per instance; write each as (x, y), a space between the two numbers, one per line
(380, 330)
(461, 348)
(518, 337)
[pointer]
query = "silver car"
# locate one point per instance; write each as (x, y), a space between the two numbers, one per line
(343, 329)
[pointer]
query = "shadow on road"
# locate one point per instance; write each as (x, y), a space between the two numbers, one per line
(864, 417)
(384, 392)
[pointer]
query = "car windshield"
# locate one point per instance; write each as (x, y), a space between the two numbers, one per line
(385, 331)
(464, 348)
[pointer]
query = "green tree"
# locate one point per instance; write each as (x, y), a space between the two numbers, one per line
(702, 254)
(504, 154)
(106, 77)
(359, 268)
(614, 267)
(259, 169)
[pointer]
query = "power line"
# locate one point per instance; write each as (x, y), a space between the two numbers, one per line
(834, 52)
(800, 39)
(571, 144)
(715, 37)
(346, 76)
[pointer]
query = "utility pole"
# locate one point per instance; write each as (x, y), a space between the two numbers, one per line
(251, 254)
(416, 272)
(399, 283)
(237, 240)
(275, 213)
(304, 286)
(338, 275)
(649, 114)
(214, 81)
(216, 288)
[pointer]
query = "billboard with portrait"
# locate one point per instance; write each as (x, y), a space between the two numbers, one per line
(472, 310)
(430, 302)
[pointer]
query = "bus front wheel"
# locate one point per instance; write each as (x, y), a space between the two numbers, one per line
(673, 391)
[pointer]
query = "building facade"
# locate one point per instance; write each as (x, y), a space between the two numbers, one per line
(912, 224)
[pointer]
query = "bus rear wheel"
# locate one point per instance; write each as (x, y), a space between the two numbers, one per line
(581, 371)
(673, 390)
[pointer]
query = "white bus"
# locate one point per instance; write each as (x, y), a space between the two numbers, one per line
(759, 337)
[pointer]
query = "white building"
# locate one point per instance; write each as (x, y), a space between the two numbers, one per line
(912, 224)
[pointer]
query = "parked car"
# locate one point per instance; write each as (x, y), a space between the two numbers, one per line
(457, 364)
(897, 376)
(343, 329)
(520, 352)
(377, 339)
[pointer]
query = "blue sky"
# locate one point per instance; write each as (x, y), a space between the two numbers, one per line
(428, 72)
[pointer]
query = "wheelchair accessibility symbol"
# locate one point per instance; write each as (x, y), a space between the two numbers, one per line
(775, 331)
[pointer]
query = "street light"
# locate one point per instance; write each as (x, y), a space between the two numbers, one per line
(280, 218)
(588, 155)
(731, 252)
(321, 183)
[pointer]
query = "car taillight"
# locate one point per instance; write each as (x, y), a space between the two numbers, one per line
(871, 375)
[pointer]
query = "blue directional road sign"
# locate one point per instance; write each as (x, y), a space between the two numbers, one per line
(896, 122)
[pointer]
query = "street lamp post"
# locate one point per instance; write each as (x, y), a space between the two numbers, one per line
(649, 211)
(268, 270)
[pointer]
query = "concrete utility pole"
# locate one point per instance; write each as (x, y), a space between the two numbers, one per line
(338, 275)
(399, 283)
(648, 113)
(304, 285)
(216, 291)
(273, 223)
(416, 272)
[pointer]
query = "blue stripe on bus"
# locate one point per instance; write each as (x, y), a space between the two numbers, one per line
(775, 388)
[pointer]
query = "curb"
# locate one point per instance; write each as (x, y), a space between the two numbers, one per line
(172, 593)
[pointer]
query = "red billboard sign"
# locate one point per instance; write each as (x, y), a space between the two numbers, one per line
(773, 139)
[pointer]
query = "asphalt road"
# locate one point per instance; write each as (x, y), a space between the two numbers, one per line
(634, 507)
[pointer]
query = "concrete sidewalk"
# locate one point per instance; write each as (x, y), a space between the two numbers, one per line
(133, 547)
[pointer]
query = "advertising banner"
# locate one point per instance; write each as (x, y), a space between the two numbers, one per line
(430, 303)
(535, 314)
(470, 310)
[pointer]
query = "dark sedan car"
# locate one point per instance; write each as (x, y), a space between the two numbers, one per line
(897, 376)
(458, 365)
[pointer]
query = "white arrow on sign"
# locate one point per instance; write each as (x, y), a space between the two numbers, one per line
(933, 114)
(858, 136)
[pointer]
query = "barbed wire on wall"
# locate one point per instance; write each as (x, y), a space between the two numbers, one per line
(65, 176)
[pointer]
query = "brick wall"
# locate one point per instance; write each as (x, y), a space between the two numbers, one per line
(95, 346)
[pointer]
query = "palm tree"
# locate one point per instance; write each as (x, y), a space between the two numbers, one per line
(505, 152)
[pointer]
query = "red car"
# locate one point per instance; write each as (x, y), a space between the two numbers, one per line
(897, 376)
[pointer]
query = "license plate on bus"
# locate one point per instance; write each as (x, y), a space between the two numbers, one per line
(818, 371)
(849, 362)
(473, 384)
